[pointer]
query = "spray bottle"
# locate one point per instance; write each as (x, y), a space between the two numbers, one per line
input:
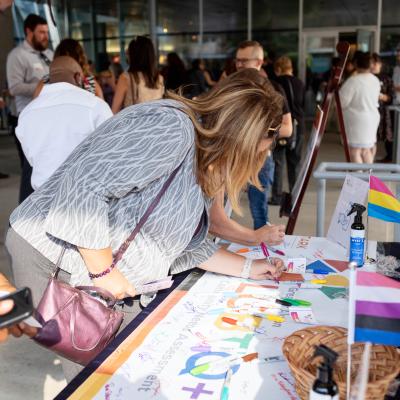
(357, 235)
(324, 386)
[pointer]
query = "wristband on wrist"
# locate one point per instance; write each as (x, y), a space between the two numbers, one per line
(245, 274)
(101, 274)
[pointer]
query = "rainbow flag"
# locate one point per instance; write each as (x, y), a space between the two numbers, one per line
(377, 309)
(381, 202)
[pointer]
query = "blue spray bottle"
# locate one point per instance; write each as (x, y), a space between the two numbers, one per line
(357, 235)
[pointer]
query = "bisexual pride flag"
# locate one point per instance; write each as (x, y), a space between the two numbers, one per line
(374, 309)
(381, 202)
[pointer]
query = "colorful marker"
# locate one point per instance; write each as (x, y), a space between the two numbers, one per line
(265, 252)
(309, 286)
(227, 382)
(296, 302)
(272, 359)
(232, 321)
(277, 251)
(225, 362)
(283, 302)
(318, 281)
(320, 272)
(270, 317)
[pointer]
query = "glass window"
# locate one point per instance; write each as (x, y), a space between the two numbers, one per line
(277, 43)
(225, 15)
(390, 12)
(134, 18)
(80, 25)
(271, 15)
(177, 16)
(390, 39)
(185, 45)
(276, 27)
(221, 45)
(225, 26)
(321, 13)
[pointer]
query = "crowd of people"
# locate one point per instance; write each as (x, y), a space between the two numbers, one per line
(92, 163)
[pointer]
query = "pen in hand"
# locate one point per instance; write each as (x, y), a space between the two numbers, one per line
(267, 256)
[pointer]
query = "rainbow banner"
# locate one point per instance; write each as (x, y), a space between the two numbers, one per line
(377, 309)
(382, 204)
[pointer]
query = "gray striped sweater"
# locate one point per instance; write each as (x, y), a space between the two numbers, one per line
(95, 199)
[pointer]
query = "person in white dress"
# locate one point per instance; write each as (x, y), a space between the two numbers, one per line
(359, 97)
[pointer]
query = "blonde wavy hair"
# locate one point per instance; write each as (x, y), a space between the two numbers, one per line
(230, 122)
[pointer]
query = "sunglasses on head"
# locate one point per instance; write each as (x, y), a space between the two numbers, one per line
(272, 132)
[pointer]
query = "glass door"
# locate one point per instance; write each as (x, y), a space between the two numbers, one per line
(365, 40)
(318, 49)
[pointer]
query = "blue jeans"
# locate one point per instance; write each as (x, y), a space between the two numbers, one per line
(258, 201)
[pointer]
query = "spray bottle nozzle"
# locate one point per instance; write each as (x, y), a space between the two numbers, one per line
(328, 354)
(325, 369)
(359, 209)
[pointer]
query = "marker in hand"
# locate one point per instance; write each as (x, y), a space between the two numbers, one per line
(267, 255)
(266, 252)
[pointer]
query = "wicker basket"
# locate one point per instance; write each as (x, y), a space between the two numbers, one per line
(298, 349)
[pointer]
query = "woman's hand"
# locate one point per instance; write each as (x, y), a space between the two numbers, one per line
(116, 283)
(261, 269)
(271, 234)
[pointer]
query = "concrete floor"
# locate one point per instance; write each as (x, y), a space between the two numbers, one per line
(28, 371)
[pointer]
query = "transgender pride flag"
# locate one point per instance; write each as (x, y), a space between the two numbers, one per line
(374, 309)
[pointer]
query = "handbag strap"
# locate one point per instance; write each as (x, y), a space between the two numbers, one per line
(291, 97)
(146, 215)
(105, 294)
(291, 94)
(122, 249)
(134, 93)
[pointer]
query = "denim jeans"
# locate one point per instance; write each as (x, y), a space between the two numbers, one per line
(258, 200)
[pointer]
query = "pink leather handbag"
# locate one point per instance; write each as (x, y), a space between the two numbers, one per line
(76, 325)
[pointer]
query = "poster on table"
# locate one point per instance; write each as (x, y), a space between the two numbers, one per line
(179, 351)
(354, 190)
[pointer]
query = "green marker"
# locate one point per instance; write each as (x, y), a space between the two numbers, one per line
(223, 363)
(297, 303)
(200, 369)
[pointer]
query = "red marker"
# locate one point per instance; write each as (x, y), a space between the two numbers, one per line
(232, 321)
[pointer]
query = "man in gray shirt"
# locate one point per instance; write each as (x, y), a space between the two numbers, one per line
(27, 64)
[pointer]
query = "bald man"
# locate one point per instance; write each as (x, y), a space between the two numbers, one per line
(59, 119)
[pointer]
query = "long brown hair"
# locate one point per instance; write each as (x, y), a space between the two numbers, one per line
(142, 58)
(72, 48)
(230, 122)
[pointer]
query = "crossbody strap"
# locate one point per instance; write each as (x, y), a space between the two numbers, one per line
(122, 249)
(134, 88)
(291, 95)
(146, 215)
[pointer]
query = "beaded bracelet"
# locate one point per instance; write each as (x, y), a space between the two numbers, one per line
(101, 274)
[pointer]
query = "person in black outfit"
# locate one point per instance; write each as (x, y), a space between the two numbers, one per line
(175, 74)
(292, 147)
(197, 80)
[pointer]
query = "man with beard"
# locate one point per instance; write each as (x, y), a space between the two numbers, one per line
(27, 64)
